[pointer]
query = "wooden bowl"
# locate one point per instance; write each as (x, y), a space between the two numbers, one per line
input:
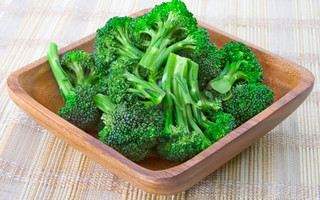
(34, 89)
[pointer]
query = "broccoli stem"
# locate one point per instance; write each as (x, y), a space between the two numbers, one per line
(145, 89)
(227, 77)
(204, 123)
(126, 48)
(155, 56)
(194, 88)
(104, 103)
(93, 78)
(180, 77)
(178, 109)
(60, 75)
(191, 120)
(182, 93)
(78, 70)
(158, 51)
(166, 86)
(193, 80)
(177, 74)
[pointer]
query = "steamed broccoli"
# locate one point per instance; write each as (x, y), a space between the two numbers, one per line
(248, 100)
(79, 109)
(114, 41)
(223, 123)
(124, 83)
(240, 64)
(163, 25)
(80, 67)
(169, 28)
(131, 128)
(147, 86)
(182, 137)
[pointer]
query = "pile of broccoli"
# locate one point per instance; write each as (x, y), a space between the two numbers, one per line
(157, 83)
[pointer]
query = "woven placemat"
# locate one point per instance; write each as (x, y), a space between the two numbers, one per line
(34, 164)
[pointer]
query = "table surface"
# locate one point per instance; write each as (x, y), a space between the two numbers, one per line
(284, 164)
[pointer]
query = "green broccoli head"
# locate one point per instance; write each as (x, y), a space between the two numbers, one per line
(237, 51)
(165, 25)
(168, 22)
(114, 41)
(80, 67)
(240, 64)
(123, 84)
(178, 145)
(223, 123)
(247, 101)
(117, 84)
(131, 128)
(80, 109)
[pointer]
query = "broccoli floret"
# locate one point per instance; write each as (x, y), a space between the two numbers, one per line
(240, 64)
(80, 67)
(117, 85)
(182, 137)
(237, 51)
(131, 128)
(180, 145)
(114, 41)
(223, 124)
(79, 108)
(248, 100)
(165, 25)
(170, 28)
(124, 84)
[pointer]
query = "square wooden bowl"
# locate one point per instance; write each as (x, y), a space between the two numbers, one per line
(34, 89)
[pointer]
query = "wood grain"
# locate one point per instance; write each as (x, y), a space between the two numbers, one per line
(34, 90)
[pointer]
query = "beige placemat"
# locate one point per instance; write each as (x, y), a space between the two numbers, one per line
(34, 164)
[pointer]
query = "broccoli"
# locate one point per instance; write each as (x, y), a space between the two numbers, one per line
(156, 82)
(208, 59)
(124, 83)
(182, 137)
(163, 25)
(131, 128)
(240, 64)
(79, 108)
(80, 67)
(170, 28)
(223, 123)
(114, 41)
(248, 100)
(209, 107)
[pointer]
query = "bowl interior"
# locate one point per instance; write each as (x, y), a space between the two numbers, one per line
(39, 83)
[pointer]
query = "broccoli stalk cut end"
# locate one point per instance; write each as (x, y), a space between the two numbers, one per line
(227, 77)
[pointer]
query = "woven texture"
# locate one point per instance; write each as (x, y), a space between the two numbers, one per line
(34, 164)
